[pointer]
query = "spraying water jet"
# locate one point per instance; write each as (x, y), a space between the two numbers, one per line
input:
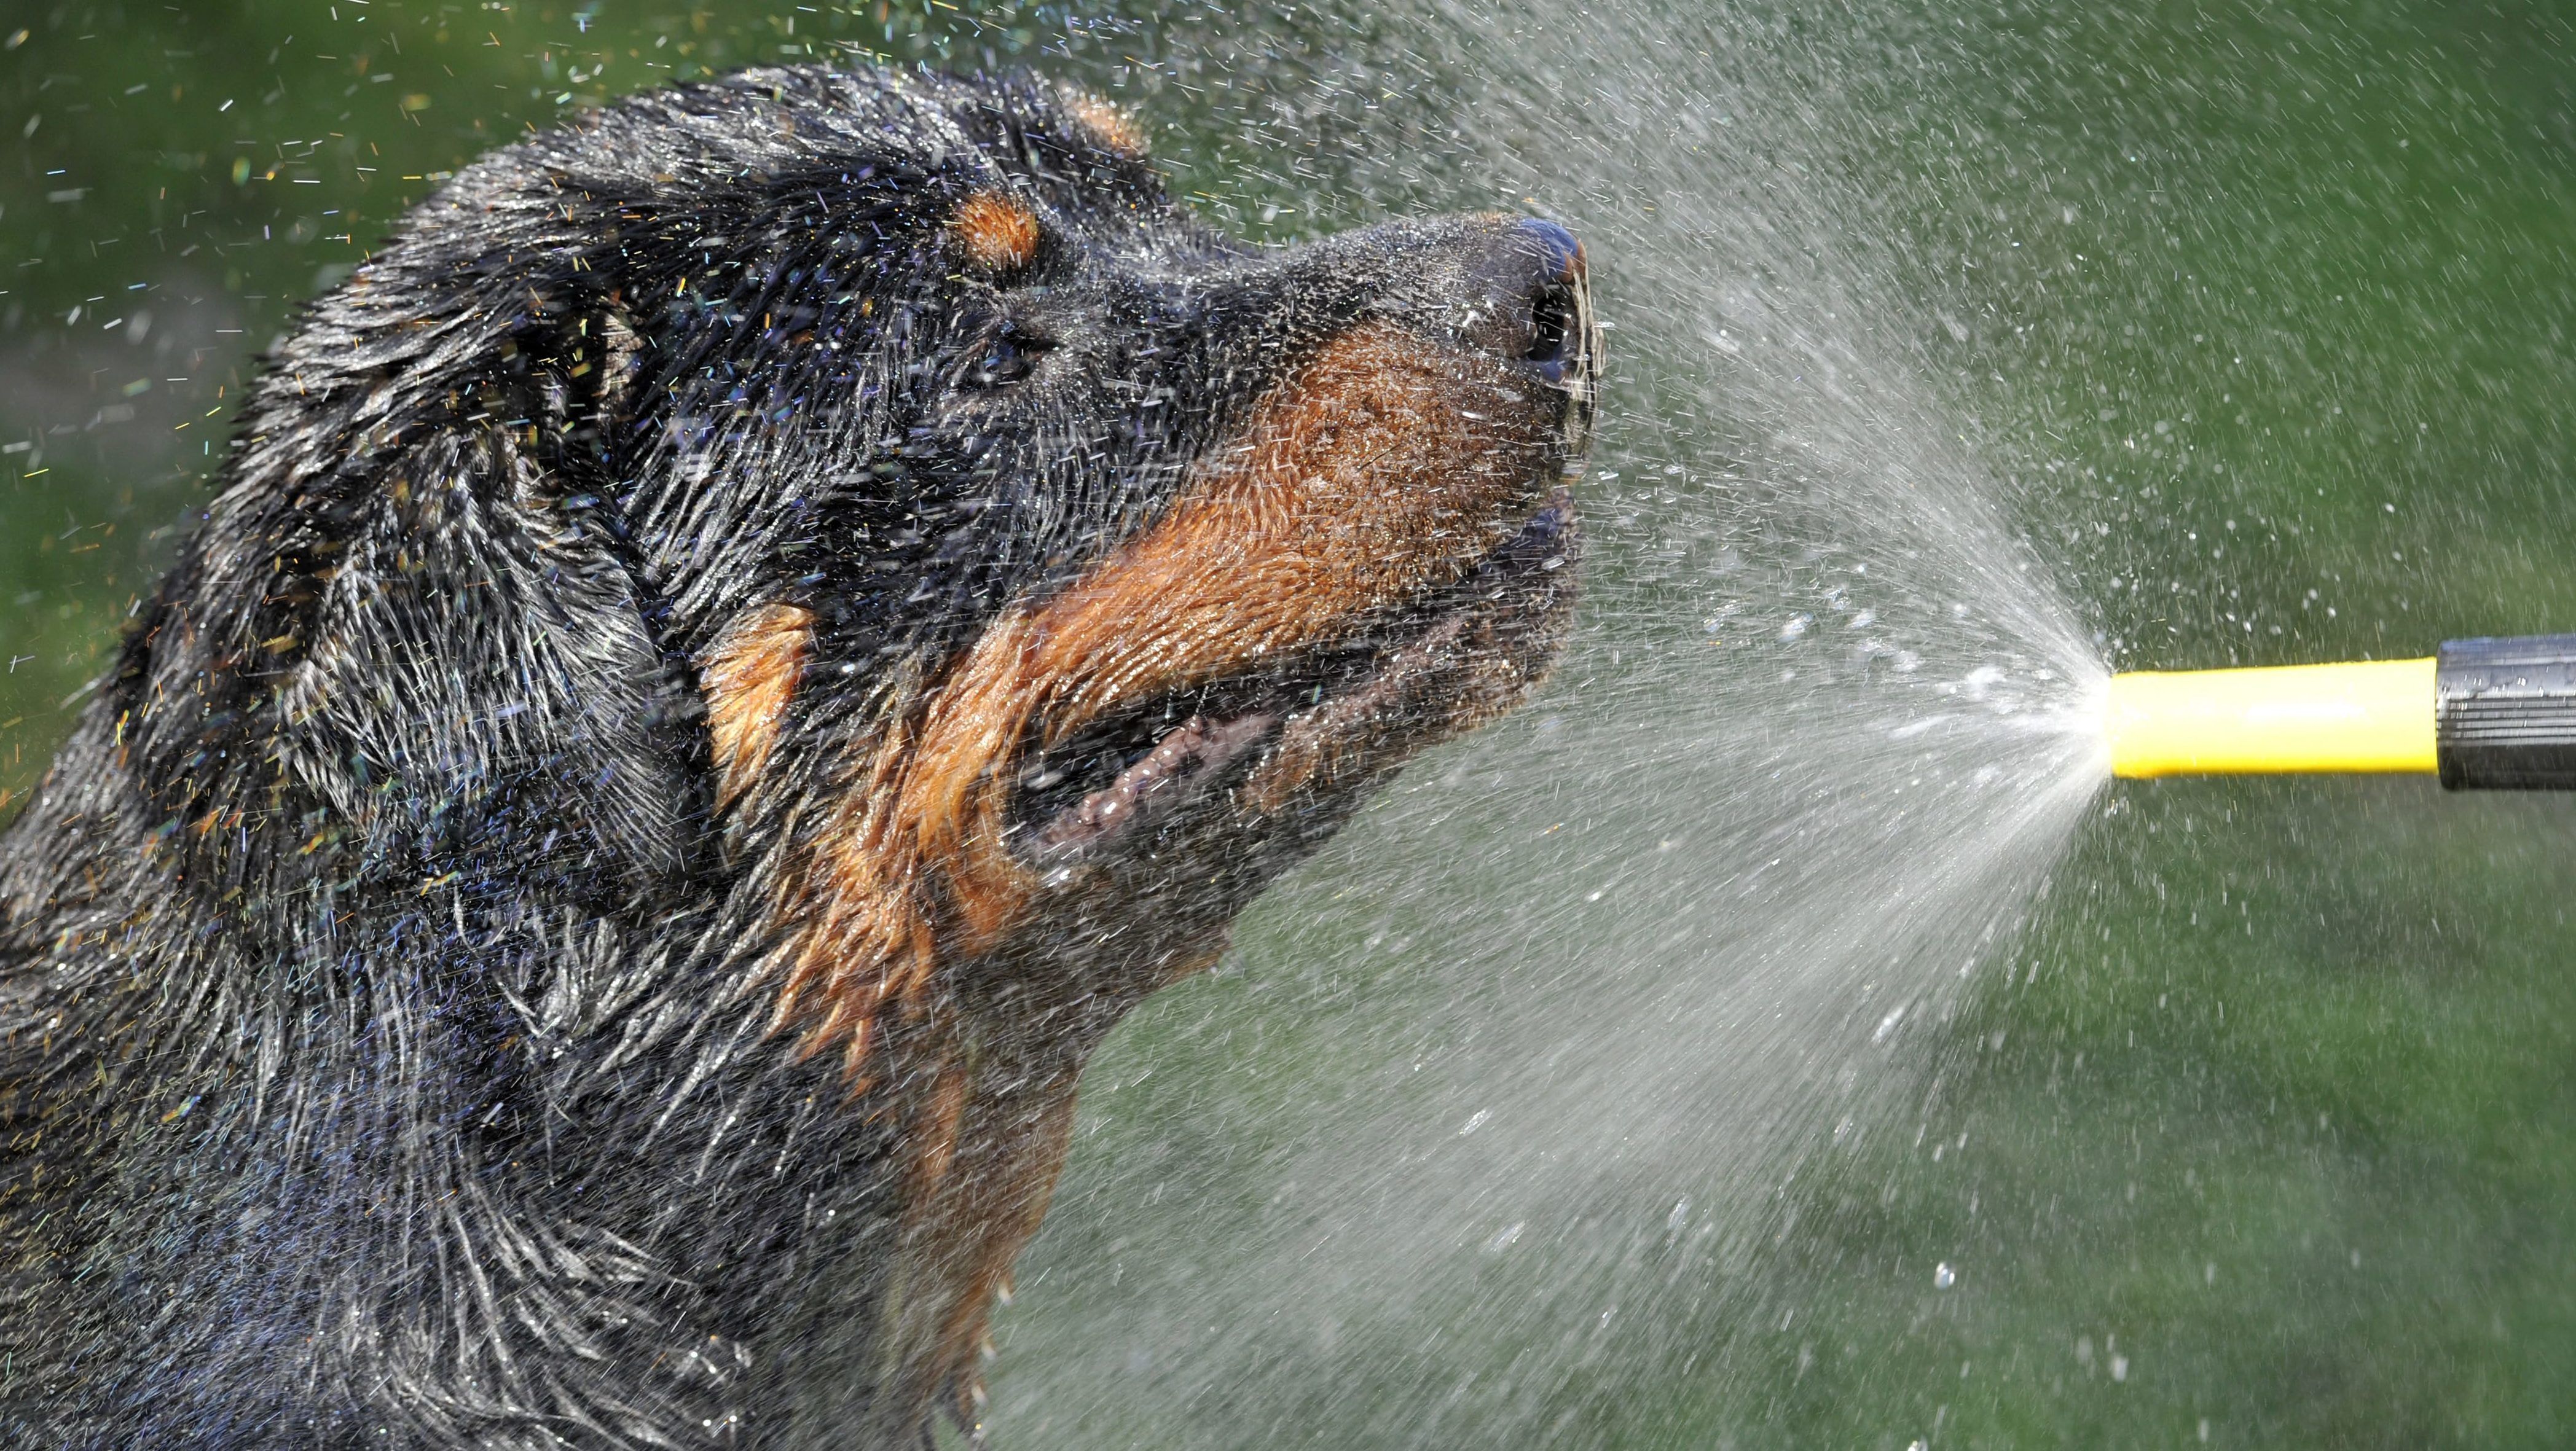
(2482, 714)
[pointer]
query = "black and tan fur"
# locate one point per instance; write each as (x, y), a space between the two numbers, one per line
(720, 664)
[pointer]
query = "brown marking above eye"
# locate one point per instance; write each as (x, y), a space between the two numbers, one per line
(748, 678)
(1114, 129)
(998, 233)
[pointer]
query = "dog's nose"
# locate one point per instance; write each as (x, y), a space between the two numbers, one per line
(1533, 301)
(1556, 300)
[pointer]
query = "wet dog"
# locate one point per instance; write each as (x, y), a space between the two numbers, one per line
(722, 662)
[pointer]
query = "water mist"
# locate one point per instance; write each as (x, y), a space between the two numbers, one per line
(1826, 728)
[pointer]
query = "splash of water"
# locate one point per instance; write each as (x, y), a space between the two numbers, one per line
(1539, 1044)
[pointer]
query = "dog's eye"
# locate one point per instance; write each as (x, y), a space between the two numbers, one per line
(1009, 355)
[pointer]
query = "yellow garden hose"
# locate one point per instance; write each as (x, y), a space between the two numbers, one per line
(2493, 713)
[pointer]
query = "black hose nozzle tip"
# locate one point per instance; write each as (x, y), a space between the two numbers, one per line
(2504, 713)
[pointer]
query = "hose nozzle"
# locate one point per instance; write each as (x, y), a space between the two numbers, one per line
(2482, 714)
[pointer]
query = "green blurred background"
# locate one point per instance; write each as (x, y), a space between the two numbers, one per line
(2279, 1149)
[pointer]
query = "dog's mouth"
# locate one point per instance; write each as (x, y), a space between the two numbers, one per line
(1327, 723)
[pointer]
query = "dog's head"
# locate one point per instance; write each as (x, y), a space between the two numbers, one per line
(1050, 569)
(1058, 569)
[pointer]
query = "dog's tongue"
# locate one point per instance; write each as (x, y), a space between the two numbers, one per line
(1192, 748)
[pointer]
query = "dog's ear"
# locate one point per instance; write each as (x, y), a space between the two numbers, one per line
(422, 585)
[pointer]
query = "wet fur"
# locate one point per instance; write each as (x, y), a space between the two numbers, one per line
(528, 944)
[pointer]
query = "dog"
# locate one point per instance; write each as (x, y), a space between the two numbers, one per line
(720, 663)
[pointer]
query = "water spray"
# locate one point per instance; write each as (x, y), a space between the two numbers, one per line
(2483, 714)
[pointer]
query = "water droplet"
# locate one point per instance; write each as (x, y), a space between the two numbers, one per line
(1887, 1025)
